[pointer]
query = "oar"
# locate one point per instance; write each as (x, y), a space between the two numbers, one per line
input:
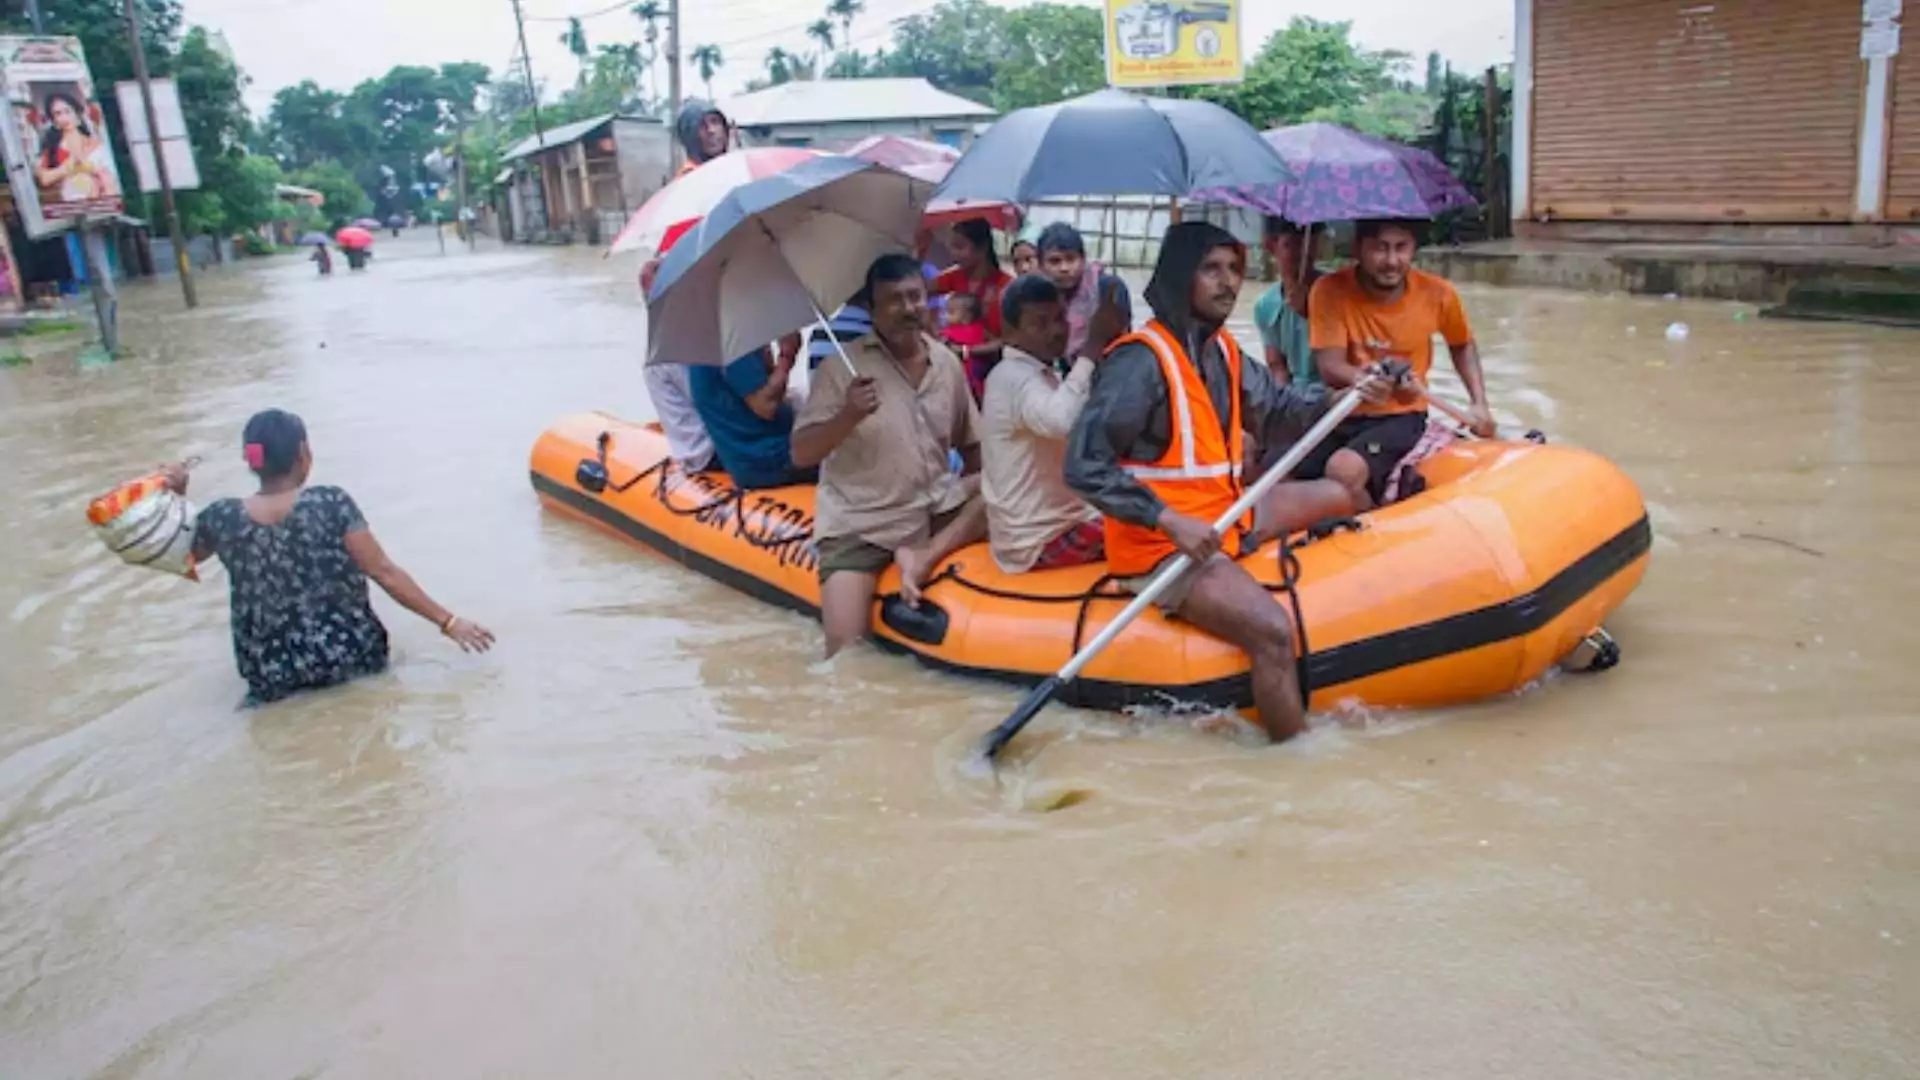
(1465, 419)
(998, 738)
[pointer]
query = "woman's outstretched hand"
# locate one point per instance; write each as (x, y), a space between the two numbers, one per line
(469, 635)
(176, 476)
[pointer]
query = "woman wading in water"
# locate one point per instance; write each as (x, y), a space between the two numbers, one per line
(299, 558)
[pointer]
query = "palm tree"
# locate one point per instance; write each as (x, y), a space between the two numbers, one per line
(845, 10)
(779, 68)
(625, 65)
(822, 31)
(651, 13)
(709, 60)
(575, 39)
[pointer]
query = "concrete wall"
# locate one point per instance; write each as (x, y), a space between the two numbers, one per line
(835, 134)
(644, 151)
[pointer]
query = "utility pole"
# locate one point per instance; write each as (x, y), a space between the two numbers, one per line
(181, 262)
(539, 133)
(673, 80)
(33, 13)
(526, 69)
(468, 219)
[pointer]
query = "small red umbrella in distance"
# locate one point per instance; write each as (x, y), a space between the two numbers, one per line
(353, 237)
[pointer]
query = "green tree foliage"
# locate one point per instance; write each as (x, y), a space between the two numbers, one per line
(307, 124)
(101, 26)
(708, 60)
(234, 195)
(843, 12)
(345, 198)
(1052, 52)
(1390, 114)
(575, 39)
(958, 46)
(1310, 65)
(821, 30)
(393, 121)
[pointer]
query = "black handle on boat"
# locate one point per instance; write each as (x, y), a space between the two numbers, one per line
(1169, 572)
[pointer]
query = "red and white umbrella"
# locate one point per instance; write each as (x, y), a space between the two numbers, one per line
(931, 161)
(680, 205)
(903, 153)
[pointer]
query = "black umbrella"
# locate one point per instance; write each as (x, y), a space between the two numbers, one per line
(1113, 143)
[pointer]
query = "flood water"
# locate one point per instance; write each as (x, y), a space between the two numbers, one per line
(648, 836)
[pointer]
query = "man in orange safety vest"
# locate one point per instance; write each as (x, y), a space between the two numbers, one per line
(1158, 449)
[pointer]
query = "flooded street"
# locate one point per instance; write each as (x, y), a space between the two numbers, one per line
(649, 836)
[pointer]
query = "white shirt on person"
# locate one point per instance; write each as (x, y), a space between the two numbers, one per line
(687, 438)
(1025, 416)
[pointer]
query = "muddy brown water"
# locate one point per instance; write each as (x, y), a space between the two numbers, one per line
(649, 836)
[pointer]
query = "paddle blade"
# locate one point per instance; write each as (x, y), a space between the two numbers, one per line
(999, 737)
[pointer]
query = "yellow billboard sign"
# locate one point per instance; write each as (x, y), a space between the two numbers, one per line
(1172, 42)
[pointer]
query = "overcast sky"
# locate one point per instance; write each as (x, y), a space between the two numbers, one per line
(339, 42)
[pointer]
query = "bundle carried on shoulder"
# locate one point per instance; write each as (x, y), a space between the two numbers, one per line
(147, 523)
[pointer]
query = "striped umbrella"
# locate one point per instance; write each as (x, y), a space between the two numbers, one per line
(775, 254)
(681, 204)
(931, 161)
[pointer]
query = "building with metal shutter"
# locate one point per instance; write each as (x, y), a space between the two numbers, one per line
(1650, 114)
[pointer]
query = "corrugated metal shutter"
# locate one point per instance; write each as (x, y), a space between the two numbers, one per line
(1903, 141)
(1696, 110)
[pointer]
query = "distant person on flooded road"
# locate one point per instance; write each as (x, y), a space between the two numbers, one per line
(323, 259)
(298, 559)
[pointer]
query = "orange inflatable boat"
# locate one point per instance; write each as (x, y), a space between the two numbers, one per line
(1512, 557)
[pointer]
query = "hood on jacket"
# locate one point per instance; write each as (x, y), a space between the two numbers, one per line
(687, 126)
(1170, 291)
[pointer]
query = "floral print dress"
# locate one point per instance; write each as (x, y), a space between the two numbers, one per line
(302, 617)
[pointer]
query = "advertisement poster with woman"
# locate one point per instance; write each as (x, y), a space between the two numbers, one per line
(58, 154)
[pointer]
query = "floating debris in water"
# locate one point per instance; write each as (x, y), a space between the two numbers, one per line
(1678, 331)
(15, 359)
(1064, 799)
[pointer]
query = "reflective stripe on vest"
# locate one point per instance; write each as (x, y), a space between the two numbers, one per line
(1160, 340)
(1198, 474)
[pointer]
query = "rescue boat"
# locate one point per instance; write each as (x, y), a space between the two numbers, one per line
(1513, 555)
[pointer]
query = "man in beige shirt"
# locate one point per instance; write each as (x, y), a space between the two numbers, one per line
(887, 493)
(1034, 520)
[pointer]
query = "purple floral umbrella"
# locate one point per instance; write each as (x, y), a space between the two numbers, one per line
(1343, 175)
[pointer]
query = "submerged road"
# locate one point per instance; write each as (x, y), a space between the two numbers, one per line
(650, 836)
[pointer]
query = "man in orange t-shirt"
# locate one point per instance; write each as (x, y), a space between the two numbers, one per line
(1382, 309)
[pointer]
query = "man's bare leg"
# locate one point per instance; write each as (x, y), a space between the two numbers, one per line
(1226, 602)
(1296, 504)
(846, 607)
(967, 526)
(1350, 469)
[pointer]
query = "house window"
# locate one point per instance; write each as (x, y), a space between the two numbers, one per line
(794, 140)
(948, 138)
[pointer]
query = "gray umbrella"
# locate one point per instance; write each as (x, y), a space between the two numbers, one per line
(1113, 143)
(776, 253)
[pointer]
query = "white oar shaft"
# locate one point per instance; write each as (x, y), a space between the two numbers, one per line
(1171, 572)
(1458, 414)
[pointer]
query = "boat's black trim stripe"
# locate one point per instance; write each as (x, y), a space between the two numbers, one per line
(1329, 667)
